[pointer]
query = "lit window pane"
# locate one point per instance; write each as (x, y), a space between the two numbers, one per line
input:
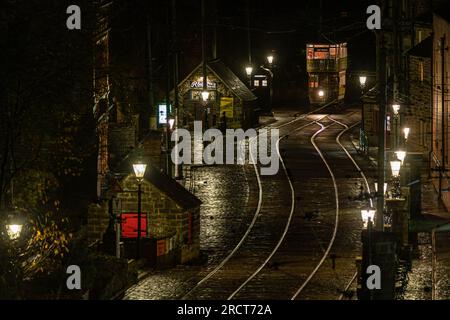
(264, 83)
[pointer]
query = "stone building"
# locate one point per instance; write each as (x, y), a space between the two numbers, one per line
(227, 95)
(439, 161)
(170, 215)
(417, 113)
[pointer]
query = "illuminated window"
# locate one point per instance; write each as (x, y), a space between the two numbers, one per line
(314, 81)
(264, 83)
(256, 83)
(388, 123)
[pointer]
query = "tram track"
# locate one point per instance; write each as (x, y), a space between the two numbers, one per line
(337, 207)
(258, 210)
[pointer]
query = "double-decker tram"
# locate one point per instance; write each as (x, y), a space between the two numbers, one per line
(326, 65)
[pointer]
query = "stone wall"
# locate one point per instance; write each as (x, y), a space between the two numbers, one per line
(165, 216)
(122, 139)
(98, 220)
(417, 115)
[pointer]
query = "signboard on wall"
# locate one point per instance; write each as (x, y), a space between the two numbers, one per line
(226, 105)
(199, 85)
(162, 113)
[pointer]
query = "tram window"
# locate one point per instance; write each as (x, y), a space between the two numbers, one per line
(256, 83)
(321, 55)
(313, 81)
(332, 51)
(264, 83)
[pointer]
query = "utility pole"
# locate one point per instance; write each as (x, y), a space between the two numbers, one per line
(214, 49)
(442, 171)
(397, 53)
(178, 168)
(320, 20)
(249, 44)
(150, 67)
(381, 130)
(205, 80)
(168, 85)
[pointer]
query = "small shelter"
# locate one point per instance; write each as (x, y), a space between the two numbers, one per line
(230, 100)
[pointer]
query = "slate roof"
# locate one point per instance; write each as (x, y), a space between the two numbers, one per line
(443, 11)
(170, 187)
(422, 49)
(228, 78)
(231, 80)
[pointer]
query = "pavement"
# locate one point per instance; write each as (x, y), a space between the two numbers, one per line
(229, 196)
(419, 278)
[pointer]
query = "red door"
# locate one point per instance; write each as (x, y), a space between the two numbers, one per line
(129, 225)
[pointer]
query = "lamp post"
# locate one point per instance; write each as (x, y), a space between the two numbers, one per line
(367, 216)
(205, 98)
(270, 61)
(139, 171)
(396, 109)
(395, 168)
(401, 155)
(406, 135)
(248, 71)
(362, 136)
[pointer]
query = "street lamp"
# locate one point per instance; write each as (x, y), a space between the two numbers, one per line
(139, 171)
(270, 61)
(401, 155)
(367, 216)
(14, 223)
(248, 71)
(14, 230)
(362, 81)
(362, 134)
(384, 187)
(395, 167)
(406, 132)
(171, 123)
(396, 109)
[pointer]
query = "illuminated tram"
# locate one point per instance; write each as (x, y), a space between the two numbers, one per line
(326, 65)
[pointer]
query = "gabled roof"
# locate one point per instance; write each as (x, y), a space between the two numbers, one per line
(443, 11)
(422, 49)
(161, 181)
(228, 78)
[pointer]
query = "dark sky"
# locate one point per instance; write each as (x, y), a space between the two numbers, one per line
(284, 27)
